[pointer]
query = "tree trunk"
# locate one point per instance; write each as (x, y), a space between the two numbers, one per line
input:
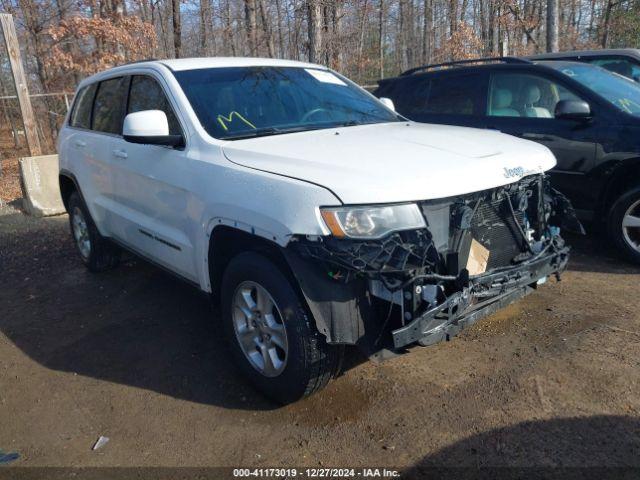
(279, 27)
(206, 18)
(228, 30)
(381, 37)
(314, 20)
(177, 27)
(552, 26)
(252, 26)
(361, 39)
(336, 35)
(453, 15)
(463, 10)
(266, 28)
(606, 24)
(427, 26)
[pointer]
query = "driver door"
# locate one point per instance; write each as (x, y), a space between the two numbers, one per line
(156, 209)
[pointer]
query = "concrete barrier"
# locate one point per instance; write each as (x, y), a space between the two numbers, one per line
(40, 187)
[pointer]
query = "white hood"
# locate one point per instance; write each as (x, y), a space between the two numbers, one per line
(397, 162)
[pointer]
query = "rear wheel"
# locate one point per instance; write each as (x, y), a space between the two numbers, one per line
(273, 340)
(624, 224)
(96, 252)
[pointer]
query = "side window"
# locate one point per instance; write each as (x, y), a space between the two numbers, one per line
(81, 113)
(147, 94)
(408, 94)
(619, 65)
(525, 95)
(451, 95)
(108, 109)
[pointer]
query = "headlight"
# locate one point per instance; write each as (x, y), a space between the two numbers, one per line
(373, 221)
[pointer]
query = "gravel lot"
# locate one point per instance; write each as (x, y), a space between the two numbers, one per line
(134, 355)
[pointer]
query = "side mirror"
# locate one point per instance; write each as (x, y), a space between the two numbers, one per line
(149, 127)
(573, 110)
(387, 102)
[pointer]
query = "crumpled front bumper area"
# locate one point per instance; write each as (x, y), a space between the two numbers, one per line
(484, 295)
(478, 253)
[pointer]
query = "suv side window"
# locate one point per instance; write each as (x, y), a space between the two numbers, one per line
(108, 109)
(409, 95)
(422, 95)
(525, 95)
(81, 113)
(147, 94)
(618, 65)
(453, 95)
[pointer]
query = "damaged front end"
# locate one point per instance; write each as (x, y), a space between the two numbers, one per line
(478, 253)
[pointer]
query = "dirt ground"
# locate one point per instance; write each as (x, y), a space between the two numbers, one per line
(135, 355)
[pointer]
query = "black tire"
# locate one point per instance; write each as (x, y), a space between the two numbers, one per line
(615, 228)
(310, 361)
(102, 255)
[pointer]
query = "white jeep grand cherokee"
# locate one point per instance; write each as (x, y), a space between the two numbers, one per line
(315, 215)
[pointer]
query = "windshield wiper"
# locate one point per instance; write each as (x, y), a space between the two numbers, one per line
(264, 132)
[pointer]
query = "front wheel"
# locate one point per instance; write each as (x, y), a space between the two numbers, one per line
(96, 252)
(624, 224)
(273, 340)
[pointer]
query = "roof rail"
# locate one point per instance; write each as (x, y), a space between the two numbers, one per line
(464, 62)
(139, 61)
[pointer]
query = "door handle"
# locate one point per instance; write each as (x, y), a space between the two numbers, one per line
(120, 154)
(541, 137)
(80, 143)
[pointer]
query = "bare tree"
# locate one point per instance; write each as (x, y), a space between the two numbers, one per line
(314, 27)
(177, 28)
(206, 18)
(552, 26)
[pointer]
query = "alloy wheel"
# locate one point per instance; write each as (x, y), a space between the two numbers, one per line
(81, 233)
(260, 329)
(631, 226)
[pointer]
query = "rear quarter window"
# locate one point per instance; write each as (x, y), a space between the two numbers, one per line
(81, 112)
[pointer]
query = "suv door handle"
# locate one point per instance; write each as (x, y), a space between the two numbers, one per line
(80, 143)
(541, 137)
(120, 154)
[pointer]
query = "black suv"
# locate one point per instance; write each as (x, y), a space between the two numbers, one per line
(624, 61)
(588, 117)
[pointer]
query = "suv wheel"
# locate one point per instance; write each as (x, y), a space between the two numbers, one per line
(624, 224)
(96, 252)
(274, 342)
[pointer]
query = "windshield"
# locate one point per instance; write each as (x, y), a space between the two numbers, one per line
(242, 102)
(618, 90)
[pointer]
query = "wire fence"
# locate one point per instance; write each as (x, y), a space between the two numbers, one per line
(49, 110)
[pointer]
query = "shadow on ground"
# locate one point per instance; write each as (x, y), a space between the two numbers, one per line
(135, 325)
(597, 447)
(593, 253)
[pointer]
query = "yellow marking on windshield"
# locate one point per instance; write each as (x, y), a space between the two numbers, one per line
(224, 120)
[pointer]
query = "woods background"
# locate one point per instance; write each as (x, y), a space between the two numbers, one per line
(63, 41)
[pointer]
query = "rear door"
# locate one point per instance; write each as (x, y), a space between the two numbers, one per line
(522, 103)
(153, 188)
(106, 123)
